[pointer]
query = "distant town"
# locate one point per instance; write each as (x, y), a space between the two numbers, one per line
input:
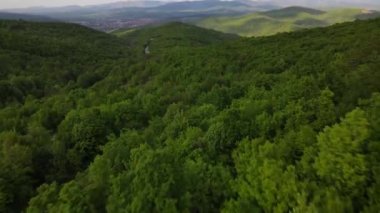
(110, 25)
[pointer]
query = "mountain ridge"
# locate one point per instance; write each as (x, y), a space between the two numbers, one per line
(26, 17)
(283, 20)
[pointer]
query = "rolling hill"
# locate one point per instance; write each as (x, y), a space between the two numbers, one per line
(283, 20)
(172, 35)
(206, 122)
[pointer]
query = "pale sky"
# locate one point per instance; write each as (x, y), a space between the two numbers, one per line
(48, 3)
(5, 4)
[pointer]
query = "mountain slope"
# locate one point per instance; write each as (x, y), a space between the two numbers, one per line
(172, 35)
(55, 52)
(283, 20)
(89, 123)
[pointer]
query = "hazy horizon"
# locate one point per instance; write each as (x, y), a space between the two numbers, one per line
(12, 4)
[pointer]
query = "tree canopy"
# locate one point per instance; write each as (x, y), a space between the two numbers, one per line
(206, 122)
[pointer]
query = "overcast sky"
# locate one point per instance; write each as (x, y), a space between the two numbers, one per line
(29, 3)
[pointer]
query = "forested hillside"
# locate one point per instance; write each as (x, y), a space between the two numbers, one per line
(206, 122)
(283, 20)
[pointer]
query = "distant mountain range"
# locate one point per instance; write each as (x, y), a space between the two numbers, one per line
(93, 8)
(283, 20)
(142, 8)
(243, 17)
(17, 16)
(137, 13)
(367, 4)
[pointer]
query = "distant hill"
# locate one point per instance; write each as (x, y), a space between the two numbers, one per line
(142, 9)
(172, 35)
(368, 14)
(93, 8)
(197, 6)
(291, 12)
(26, 17)
(329, 3)
(283, 20)
(261, 5)
(131, 14)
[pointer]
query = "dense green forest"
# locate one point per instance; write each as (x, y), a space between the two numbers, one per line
(207, 122)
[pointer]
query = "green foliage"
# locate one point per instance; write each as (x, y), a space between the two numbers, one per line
(341, 160)
(206, 122)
